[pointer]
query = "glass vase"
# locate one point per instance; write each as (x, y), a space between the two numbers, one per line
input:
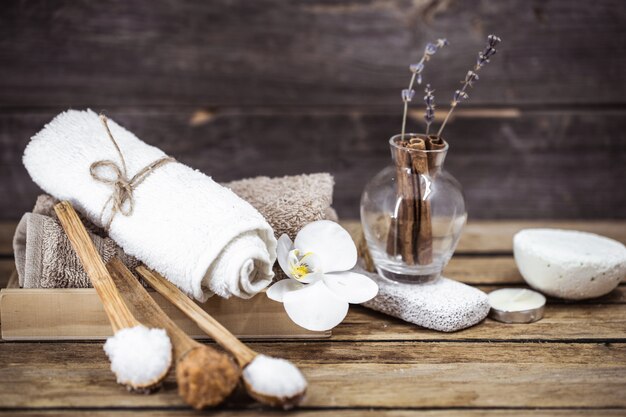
(413, 212)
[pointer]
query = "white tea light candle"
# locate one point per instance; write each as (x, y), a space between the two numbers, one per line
(516, 305)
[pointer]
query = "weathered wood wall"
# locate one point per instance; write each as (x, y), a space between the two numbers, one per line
(267, 87)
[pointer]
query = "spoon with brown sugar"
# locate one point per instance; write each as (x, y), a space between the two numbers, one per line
(140, 357)
(273, 381)
(205, 376)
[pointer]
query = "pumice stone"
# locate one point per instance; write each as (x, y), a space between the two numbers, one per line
(569, 264)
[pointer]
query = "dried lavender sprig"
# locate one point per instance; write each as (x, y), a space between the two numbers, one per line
(472, 76)
(416, 70)
(489, 51)
(429, 114)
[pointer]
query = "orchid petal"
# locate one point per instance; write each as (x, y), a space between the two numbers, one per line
(277, 291)
(352, 287)
(285, 245)
(330, 242)
(311, 278)
(292, 260)
(315, 307)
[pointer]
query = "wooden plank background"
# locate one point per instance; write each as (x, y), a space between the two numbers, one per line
(241, 88)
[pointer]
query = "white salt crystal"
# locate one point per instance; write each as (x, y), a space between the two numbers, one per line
(139, 356)
(274, 377)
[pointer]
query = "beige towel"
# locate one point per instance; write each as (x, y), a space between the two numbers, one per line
(45, 259)
(290, 202)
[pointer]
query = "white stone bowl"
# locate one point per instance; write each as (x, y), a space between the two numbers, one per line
(569, 264)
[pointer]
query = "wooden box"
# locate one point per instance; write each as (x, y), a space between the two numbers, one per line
(77, 314)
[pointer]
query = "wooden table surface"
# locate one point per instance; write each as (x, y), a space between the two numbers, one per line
(573, 362)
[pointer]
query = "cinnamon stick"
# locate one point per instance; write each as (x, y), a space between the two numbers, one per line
(393, 237)
(400, 239)
(410, 232)
(434, 143)
(365, 255)
(423, 234)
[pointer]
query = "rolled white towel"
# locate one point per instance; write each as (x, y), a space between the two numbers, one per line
(184, 225)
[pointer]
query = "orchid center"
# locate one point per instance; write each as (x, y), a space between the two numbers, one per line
(301, 266)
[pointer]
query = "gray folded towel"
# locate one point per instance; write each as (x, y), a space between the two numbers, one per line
(44, 257)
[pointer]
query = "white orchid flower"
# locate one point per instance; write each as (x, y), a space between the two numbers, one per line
(320, 287)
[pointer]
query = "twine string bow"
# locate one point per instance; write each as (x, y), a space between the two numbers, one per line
(122, 199)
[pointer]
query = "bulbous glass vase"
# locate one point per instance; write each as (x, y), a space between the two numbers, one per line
(413, 212)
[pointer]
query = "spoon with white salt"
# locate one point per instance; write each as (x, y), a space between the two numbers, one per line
(205, 376)
(140, 357)
(273, 381)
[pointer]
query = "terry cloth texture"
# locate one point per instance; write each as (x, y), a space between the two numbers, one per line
(289, 203)
(45, 259)
(197, 233)
(444, 305)
(44, 256)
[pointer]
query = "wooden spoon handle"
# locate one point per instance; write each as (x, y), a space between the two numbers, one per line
(139, 298)
(208, 324)
(116, 310)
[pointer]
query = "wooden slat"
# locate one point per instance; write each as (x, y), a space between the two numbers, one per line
(475, 270)
(488, 237)
(350, 375)
(617, 296)
(483, 270)
(298, 53)
(7, 229)
(77, 314)
(560, 322)
(333, 412)
(536, 165)
(7, 266)
(497, 236)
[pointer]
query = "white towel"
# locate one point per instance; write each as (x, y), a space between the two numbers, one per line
(198, 234)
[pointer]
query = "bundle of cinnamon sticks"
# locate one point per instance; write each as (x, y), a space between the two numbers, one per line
(410, 231)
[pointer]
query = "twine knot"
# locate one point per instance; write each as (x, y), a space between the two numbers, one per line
(122, 198)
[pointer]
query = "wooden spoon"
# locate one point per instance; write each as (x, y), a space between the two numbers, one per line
(242, 353)
(205, 376)
(114, 306)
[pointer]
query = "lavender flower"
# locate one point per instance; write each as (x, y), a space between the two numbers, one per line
(490, 50)
(493, 40)
(460, 95)
(472, 76)
(407, 95)
(429, 99)
(416, 70)
(416, 67)
(430, 49)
